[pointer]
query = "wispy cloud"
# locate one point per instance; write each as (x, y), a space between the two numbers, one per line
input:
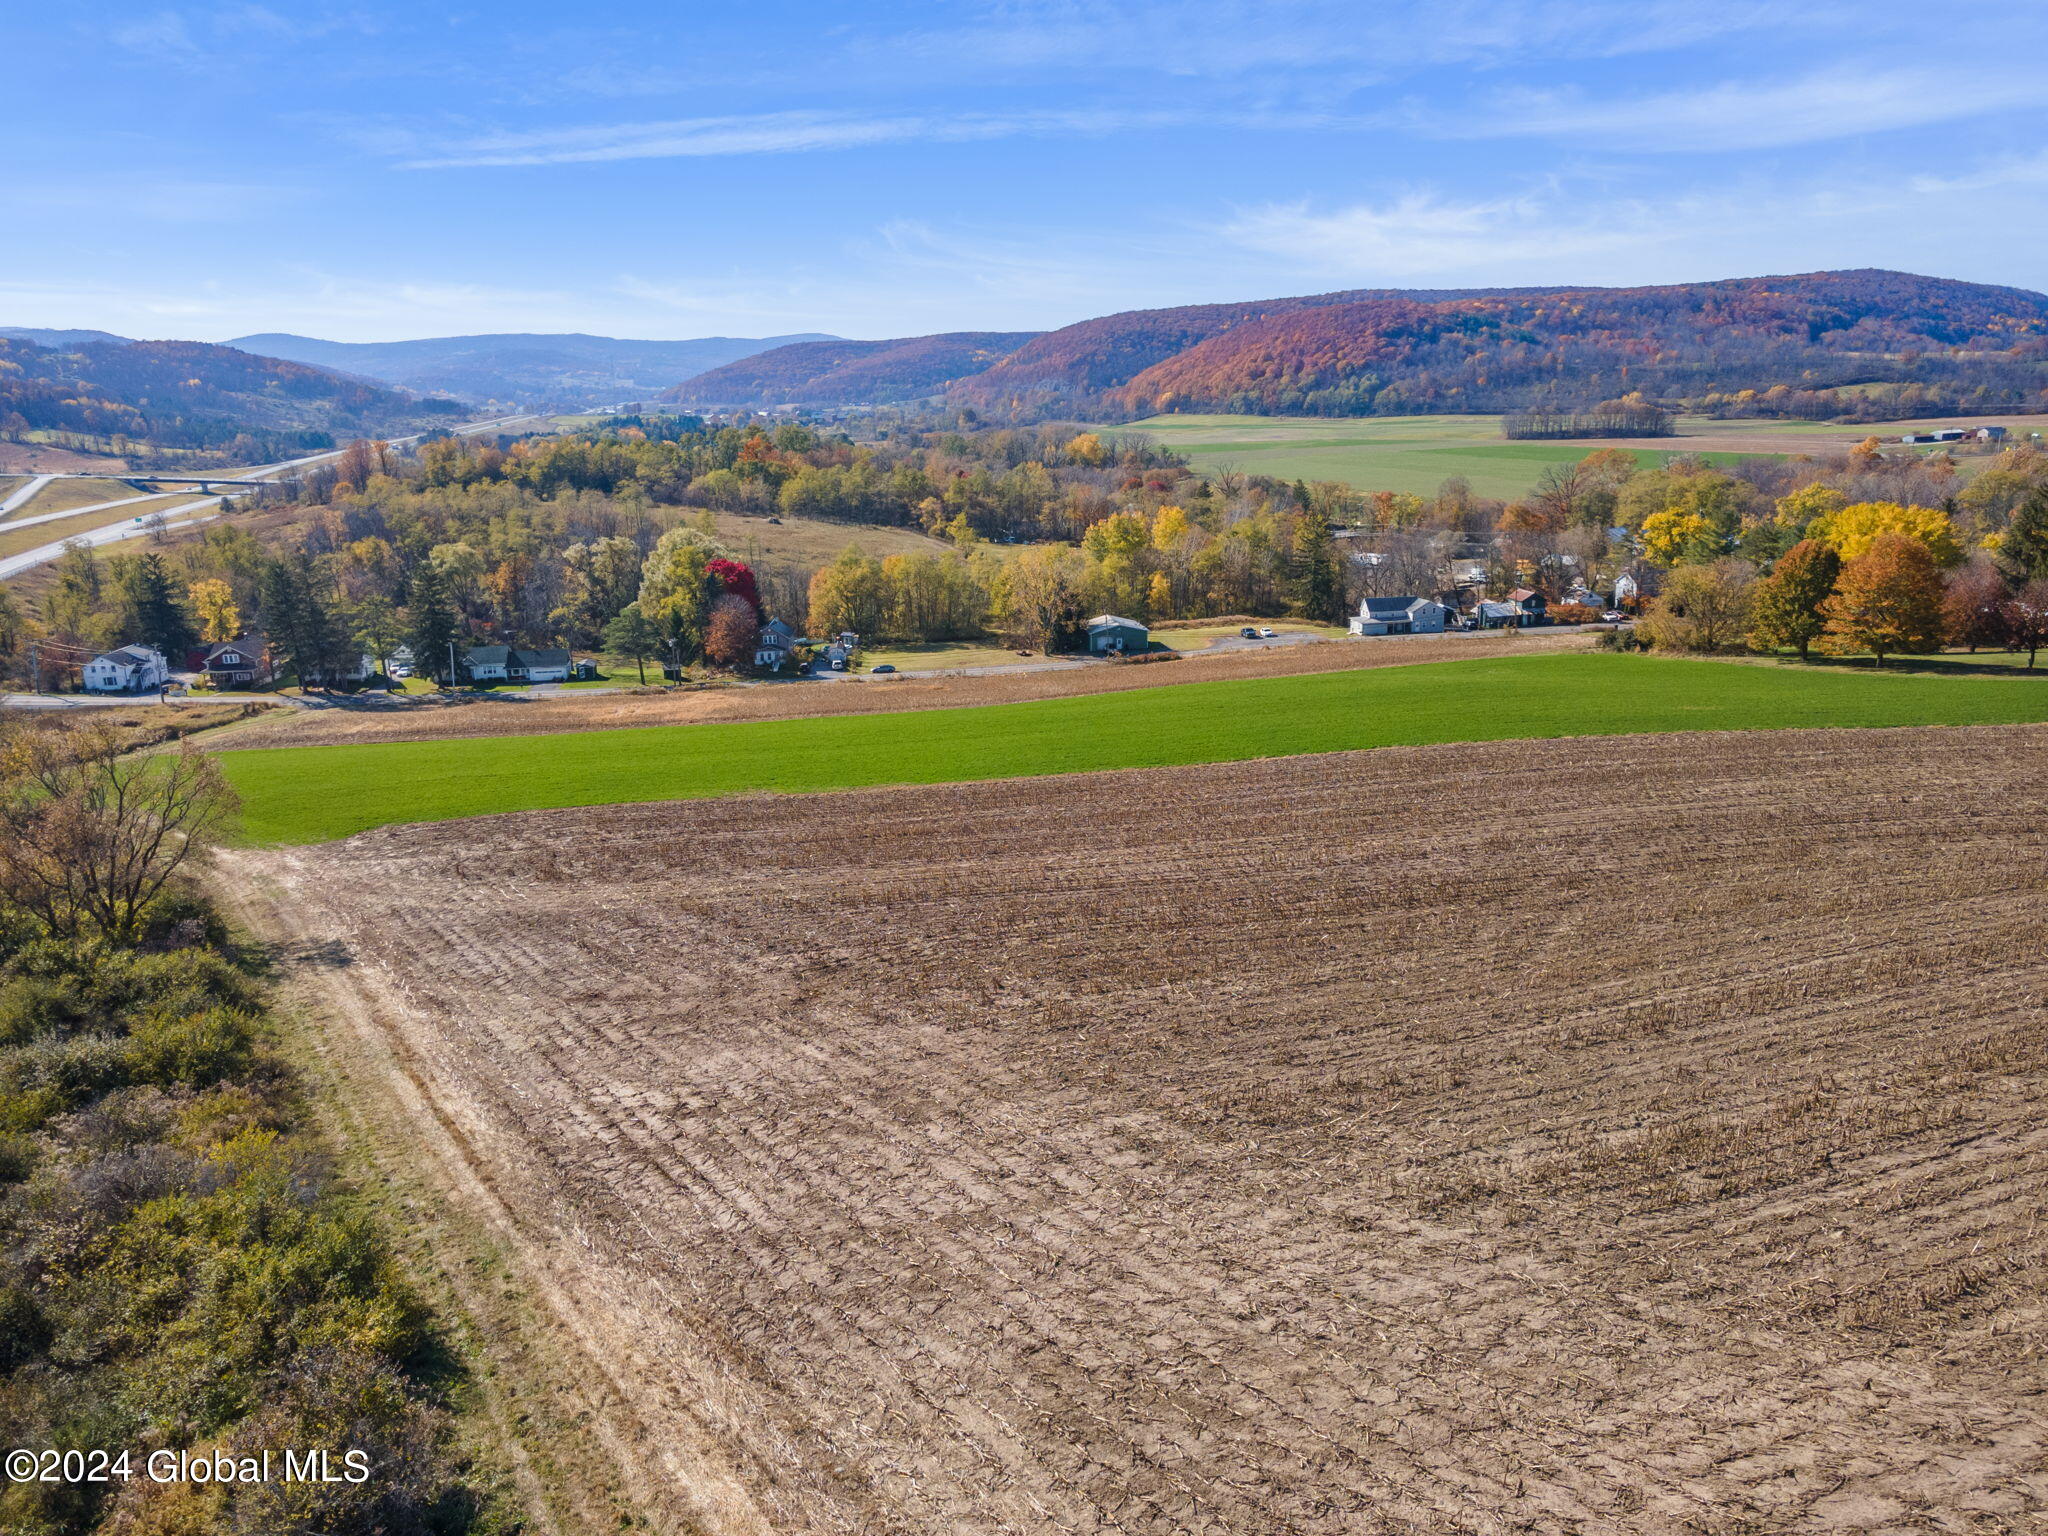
(785, 133)
(1830, 104)
(1424, 234)
(1233, 38)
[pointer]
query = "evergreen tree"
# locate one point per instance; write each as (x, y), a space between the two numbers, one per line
(2024, 549)
(631, 635)
(284, 617)
(1315, 577)
(432, 625)
(158, 618)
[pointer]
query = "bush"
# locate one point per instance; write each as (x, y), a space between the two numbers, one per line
(196, 1050)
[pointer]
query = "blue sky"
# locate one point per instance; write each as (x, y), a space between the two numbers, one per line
(372, 171)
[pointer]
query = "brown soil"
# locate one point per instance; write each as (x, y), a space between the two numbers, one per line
(1640, 1135)
(432, 717)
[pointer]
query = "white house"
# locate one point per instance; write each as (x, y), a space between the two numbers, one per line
(1399, 616)
(131, 669)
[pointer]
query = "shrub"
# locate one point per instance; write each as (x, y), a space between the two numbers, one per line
(196, 1049)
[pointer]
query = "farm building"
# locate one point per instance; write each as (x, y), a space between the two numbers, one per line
(1491, 615)
(1399, 616)
(504, 663)
(129, 670)
(1109, 635)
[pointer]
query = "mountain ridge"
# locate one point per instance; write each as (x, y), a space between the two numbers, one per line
(1774, 345)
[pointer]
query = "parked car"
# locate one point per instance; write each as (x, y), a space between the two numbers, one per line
(1249, 633)
(1265, 632)
(1615, 616)
(884, 667)
(838, 664)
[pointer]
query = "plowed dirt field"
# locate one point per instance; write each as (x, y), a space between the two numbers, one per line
(1635, 1135)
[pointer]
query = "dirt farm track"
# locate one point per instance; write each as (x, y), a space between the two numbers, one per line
(1636, 1135)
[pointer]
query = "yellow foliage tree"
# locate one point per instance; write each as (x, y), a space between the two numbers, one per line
(1807, 503)
(213, 601)
(1087, 449)
(1852, 531)
(1670, 538)
(1160, 600)
(1170, 528)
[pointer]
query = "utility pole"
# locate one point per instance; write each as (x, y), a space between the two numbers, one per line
(451, 662)
(35, 668)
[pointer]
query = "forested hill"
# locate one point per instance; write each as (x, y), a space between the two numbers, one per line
(1896, 343)
(570, 370)
(851, 372)
(187, 402)
(1866, 343)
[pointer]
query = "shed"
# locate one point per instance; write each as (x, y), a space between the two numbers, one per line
(1109, 635)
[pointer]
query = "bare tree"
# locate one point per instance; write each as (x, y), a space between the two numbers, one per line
(90, 833)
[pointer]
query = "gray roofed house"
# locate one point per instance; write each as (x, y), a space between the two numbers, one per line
(1399, 616)
(774, 645)
(505, 663)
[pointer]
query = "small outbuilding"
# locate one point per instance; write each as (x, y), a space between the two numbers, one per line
(131, 669)
(1109, 635)
(1400, 616)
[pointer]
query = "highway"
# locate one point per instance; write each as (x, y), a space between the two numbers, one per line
(24, 493)
(147, 521)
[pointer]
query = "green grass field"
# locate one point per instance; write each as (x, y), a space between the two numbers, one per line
(308, 794)
(1392, 453)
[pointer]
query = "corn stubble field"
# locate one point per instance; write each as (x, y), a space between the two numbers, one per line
(1638, 1135)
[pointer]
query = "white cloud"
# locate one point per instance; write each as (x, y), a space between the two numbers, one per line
(1421, 235)
(1578, 233)
(1830, 104)
(782, 133)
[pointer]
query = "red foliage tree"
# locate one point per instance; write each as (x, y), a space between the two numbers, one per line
(737, 578)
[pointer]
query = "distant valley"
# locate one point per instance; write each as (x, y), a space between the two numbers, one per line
(542, 371)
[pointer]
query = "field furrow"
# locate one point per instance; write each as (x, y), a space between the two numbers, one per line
(1628, 1136)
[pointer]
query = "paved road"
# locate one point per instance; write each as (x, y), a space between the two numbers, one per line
(21, 495)
(14, 565)
(113, 533)
(98, 506)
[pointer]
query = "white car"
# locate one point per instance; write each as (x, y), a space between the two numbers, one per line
(1614, 616)
(1265, 632)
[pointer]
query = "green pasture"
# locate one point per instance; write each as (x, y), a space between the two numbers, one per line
(1391, 453)
(307, 794)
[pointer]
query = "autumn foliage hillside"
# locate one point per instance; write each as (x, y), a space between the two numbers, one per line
(1692, 342)
(850, 372)
(179, 399)
(1864, 344)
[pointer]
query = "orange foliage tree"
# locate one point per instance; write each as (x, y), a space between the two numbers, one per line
(1887, 602)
